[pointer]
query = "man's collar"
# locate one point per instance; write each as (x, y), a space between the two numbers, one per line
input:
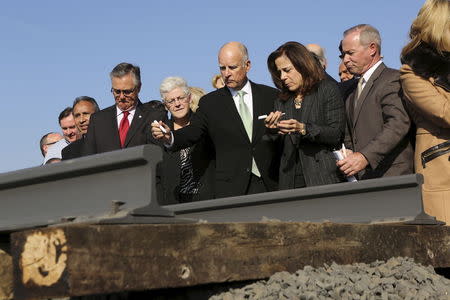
(131, 111)
(372, 69)
(246, 88)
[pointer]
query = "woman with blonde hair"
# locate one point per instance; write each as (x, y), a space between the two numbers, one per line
(196, 94)
(425, 78)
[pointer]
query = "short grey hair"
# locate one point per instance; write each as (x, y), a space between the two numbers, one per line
(171, 83)
(123, 69)
(367, 34)
(244, 53)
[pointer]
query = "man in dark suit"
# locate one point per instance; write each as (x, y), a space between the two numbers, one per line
(245, 158)
(378, 124)
(125, 124)
(82, 109)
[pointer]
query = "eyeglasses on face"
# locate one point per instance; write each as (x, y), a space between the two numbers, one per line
(124, 92)
(171, 102)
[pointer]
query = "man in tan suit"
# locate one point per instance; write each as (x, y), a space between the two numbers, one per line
(377, 123)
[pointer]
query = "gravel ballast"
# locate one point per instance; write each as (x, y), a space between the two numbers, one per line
(398, 278)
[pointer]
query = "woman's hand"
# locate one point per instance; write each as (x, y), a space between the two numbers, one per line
(161, 131)
(290, 126)
(272, 119)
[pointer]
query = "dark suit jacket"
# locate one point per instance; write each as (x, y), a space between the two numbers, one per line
(73, 150)
(347, 87)
(168, 172)
(378, 126)
(323, 112)
(218, 118)
(103, 133)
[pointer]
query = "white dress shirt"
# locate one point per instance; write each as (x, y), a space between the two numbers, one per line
(119, 115)
(369, 73)
(248, 98)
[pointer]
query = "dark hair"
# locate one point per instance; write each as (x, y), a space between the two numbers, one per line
(123, 69)
(65, 113)
(341, 51)
(303, 61)
(87, 99)
(156, 105)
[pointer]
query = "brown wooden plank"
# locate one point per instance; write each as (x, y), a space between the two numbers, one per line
(6, 276)
(96, 259)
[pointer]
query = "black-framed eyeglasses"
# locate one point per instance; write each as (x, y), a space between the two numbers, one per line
(124, 92)
(172, 101)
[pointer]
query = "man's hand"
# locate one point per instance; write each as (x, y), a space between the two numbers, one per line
(352, 164)
(158, 133)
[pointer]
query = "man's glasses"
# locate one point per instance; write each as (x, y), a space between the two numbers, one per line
(172, 101)
(124, 92)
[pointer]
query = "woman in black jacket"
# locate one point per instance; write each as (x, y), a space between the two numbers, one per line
(309, 117)
(185, 175)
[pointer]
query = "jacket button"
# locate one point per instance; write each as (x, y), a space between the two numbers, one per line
(247, 170)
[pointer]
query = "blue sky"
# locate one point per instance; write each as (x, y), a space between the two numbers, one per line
(54, 51)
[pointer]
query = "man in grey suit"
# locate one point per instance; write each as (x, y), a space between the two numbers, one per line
(377, 123)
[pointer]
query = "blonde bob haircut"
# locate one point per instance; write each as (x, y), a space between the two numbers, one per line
(431, 26)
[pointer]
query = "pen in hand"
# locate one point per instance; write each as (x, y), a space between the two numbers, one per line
(160, 126)
(262, 117)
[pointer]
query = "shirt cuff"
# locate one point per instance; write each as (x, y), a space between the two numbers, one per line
(170, 144)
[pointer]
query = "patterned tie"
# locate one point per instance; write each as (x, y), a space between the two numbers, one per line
(359, 89)
(123, 128)
(246, 117)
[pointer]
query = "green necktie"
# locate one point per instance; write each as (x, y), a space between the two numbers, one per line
(246, 118)
(244, 112)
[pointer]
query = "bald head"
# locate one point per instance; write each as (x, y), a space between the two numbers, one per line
(344, 74)
(48, 140)
(234, 64)
(236, 48)
(320, 52)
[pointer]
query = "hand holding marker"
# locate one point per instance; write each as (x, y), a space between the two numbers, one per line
(160, 126)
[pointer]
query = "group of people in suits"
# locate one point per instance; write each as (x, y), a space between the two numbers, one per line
(266, 139)
(248, 138)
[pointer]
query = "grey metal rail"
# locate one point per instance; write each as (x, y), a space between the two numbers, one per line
(119, 187)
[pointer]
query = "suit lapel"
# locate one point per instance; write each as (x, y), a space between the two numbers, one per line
(112, 119)
(307, 104)
(231, 113)
(258, 110)
(138, 119)
(366, 91)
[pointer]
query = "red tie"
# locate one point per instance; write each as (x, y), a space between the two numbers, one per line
(123, 128)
